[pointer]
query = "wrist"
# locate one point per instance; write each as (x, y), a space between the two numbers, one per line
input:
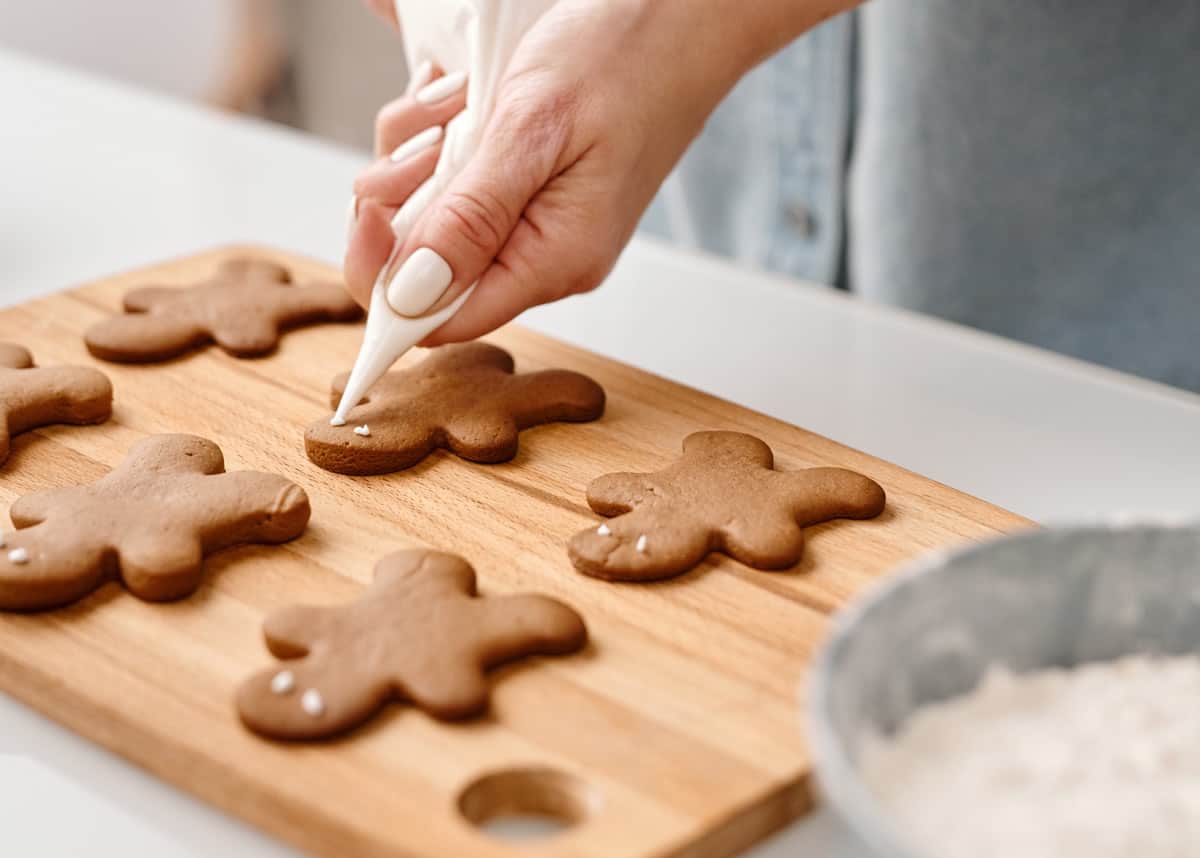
(722, 40)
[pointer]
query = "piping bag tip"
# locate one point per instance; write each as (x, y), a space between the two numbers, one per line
(387, 337)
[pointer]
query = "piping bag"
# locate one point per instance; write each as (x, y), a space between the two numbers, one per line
(478, 37)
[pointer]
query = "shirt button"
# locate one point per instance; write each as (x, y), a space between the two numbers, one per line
(802, 219)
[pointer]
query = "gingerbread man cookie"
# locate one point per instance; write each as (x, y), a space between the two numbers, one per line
(149, 523)
(33, 396)
(464, 398)
(421, 633)
(723, 495)
(242, 309)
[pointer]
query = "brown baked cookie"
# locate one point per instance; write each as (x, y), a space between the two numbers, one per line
(723, 495)
(464, 398)
(149, 523)
(242, 308)
(38, 396)
(421, 633)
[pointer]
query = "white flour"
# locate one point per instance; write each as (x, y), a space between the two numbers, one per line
(1098, 762)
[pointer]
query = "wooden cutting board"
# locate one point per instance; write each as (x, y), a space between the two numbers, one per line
(677, 732)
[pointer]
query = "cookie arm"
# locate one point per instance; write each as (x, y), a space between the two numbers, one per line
(31, 509)
(143, 337)
(145, 298)
(60, 394)
(317, 302)
(293, 631)
(244, 507)
(616, 494)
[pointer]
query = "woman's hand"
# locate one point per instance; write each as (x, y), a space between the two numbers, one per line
(597, 106)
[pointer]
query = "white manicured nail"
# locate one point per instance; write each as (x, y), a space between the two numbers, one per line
(416, 144)
(419, 283)
(351, 216)
(442, 88)
(421, 76)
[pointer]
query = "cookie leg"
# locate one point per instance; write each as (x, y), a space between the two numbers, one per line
(160, 566)
(773, 541)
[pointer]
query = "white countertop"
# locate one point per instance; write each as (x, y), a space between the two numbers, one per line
(98, 178)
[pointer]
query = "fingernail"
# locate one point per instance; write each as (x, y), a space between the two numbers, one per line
(421, 76)
(416, 144)
(419, 283)
(442, 88)
(351, 216)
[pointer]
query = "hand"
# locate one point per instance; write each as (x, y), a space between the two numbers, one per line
(594, 111)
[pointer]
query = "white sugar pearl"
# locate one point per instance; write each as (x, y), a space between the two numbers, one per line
(283, 682)
(18, 556)
(604, 530)
(364, 431)
(311, 702)
(641, 544)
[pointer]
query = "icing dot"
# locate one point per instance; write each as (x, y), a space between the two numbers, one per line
(283, 682)
(18, 556)
(364, 430)
(311, 702)
(336, 421)
(641, 544)
(604, 530)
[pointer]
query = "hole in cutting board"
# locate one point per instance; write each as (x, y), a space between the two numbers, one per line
(516, 805)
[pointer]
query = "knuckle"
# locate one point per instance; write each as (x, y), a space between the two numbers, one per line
(589, 275)
(479, 217)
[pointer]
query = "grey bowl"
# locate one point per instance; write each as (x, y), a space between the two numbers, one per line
(1046, 598)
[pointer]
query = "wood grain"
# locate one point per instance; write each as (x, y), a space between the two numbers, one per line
(676, 732)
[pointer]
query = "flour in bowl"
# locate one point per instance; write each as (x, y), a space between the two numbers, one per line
(1098, 762)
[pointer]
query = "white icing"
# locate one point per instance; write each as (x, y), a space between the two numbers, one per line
(604, 530)
(641, 544)
(364, 430)
(283, 682)
(19, 556)
(311, 703)
(337, 420)
(1098, 761)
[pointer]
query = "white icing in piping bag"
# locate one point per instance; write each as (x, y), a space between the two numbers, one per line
(478, 37)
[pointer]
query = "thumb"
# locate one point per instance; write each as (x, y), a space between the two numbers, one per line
(464, 230)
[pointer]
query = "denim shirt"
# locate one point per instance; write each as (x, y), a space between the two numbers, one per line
(765, 183)
(1028, 167)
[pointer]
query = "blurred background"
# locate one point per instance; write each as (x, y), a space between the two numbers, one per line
(325, 66)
